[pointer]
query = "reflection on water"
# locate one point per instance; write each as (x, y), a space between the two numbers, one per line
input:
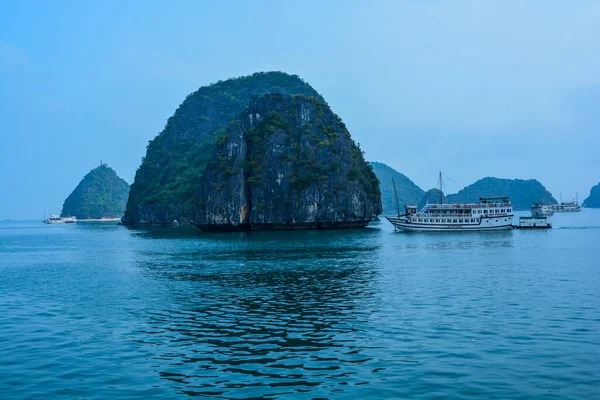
(97, 226)
(265, 312)
(98, 310)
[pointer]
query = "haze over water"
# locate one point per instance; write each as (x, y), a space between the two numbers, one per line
(100, 311)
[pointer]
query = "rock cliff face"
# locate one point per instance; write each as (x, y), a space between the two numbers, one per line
(101, 193)
(593, 200)
(287, 163)
(408, 193)
(172, 170)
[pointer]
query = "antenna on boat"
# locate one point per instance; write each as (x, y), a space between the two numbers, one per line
(441, 190)
(396, 196)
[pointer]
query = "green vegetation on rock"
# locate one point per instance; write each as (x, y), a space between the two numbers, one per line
(170, 173)
(101, 193)
(408, 193)
(593, 200)
(287, 162)
(522, 193)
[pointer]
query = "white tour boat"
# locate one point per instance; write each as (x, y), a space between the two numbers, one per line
(491, 213)
(567, 206)
(54, 219)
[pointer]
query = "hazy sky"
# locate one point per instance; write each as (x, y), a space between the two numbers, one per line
(474, 88)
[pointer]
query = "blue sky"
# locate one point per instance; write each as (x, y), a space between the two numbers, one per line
(474, 88)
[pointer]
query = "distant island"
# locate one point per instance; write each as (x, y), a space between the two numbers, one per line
(258, 152)
(433, 196)
(408, 192)
(101, 193)
(593, 200)
(522, 193)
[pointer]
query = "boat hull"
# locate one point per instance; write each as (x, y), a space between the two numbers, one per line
(533, 227)
(400, 223)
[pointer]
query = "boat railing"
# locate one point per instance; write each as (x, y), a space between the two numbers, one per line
(455, 214)
(463, 206)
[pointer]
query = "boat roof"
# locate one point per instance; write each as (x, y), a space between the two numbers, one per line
(503, 198)
(532, 217)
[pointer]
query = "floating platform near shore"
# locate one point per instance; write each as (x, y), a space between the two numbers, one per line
(533, 223)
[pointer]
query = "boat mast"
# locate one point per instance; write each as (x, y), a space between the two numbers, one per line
(441, 190)
(396, 196)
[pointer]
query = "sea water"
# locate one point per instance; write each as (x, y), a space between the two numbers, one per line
(102, 311)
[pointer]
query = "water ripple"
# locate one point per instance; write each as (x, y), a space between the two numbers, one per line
(102, 312)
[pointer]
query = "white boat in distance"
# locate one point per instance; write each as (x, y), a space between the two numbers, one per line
(55, 219)
(542, 210)
(567, 206)
(491, 213)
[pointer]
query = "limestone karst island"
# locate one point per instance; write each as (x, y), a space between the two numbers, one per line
(593, 200)
(101, 194)
(259, 152)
